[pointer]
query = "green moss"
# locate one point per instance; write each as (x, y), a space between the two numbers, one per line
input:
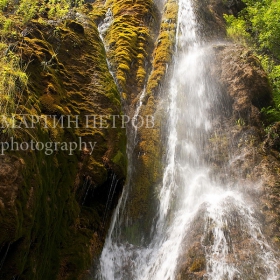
(120, 159)
(47, 221)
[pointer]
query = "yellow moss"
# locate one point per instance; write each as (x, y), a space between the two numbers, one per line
(141, 74)
(124, 96)
(128, 38)
(164, 47)
(123, 67)
(98, 10)
(197, 265)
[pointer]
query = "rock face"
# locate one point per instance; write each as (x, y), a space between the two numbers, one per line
(55, 209)
(257, 158)
(149, 37)
(249, 75)
(210, 16)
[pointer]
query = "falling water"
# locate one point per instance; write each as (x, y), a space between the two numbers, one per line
(189, 191)
(105, 24)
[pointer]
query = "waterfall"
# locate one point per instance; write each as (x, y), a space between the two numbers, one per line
(191, 194)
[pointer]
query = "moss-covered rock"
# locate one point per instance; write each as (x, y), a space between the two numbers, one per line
(52, 206)
(164, 47)
(148, 151)
(129, 42)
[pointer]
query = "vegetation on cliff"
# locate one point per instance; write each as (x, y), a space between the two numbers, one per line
(258, 26)
(52, 207)
(149, 149)
(55, 210)
(164, 46)
(128, 40)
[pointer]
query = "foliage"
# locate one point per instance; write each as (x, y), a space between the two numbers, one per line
(14, 15)
(3, 4)
(13, 81)
(29, 9)
(271, 114)
(237, 28)
(258, 26)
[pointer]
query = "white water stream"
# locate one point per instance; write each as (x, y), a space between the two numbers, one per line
(188, 192)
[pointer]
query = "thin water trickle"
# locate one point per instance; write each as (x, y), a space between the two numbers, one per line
(86, 186)
(136, 114)
(111, 194)
(106, 23)
(103, 28)
(189, 192)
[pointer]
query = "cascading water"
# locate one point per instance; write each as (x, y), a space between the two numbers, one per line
(103, 28)
(189, 191)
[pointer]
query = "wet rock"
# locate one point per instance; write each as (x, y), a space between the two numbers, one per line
(210, 14)
(192, 262)
(244, 81)
(243, 156)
